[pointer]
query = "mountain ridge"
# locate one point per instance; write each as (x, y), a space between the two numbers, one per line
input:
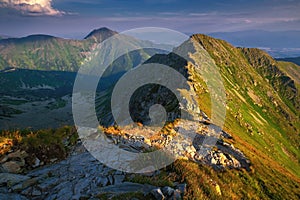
(262, 116)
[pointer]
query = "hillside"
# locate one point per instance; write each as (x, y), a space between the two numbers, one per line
(256, 157)
(262, 109)
(256, 100)
(43, 52)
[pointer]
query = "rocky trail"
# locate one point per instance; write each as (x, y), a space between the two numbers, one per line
(81, 176)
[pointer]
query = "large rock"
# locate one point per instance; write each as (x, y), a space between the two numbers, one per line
(14, 162)
(18, 154)
(12, 167)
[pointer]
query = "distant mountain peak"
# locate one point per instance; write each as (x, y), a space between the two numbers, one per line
(30, 38)
(39, 37)
(98, 35)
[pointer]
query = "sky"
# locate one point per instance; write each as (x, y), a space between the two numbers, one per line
(76, 18)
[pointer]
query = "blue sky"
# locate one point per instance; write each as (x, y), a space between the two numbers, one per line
(75, 18)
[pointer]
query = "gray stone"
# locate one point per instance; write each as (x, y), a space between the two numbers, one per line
(3, 159)
(48, 183)
(126, 187)
(12, 197)
(25, 184)
(36, 163)
(3, 189)
(111, 179)
(18, 154)
(33, 192)
(176, 195)
(118, 179)
(167, 191)
(157, 193)
(64, 191)
(81, 185)
(36, 193)
(101, 181)
(12, 179)
(76, 197)
(12, 166)
(118, 172)
(51, 197)
(182, 188)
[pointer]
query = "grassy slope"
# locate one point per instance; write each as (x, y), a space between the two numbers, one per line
(256, 119)
(44, 53)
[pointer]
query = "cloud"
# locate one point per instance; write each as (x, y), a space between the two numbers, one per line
(32, 7)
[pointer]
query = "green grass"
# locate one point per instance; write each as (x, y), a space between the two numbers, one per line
(44, 144)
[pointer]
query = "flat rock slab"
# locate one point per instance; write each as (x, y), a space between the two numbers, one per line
(12, 179)
(126, 187)
(12, 197)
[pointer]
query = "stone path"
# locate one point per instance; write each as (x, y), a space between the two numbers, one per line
(82, 176)
(79, 176)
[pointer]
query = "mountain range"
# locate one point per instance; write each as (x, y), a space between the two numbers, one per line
(295, 60)
(279, 44)
(262, 103)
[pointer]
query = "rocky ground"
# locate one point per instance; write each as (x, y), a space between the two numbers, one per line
(81, 176)
(220, 155)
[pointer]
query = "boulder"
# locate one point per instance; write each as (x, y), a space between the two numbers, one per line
(18, 154)
(12, 167)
